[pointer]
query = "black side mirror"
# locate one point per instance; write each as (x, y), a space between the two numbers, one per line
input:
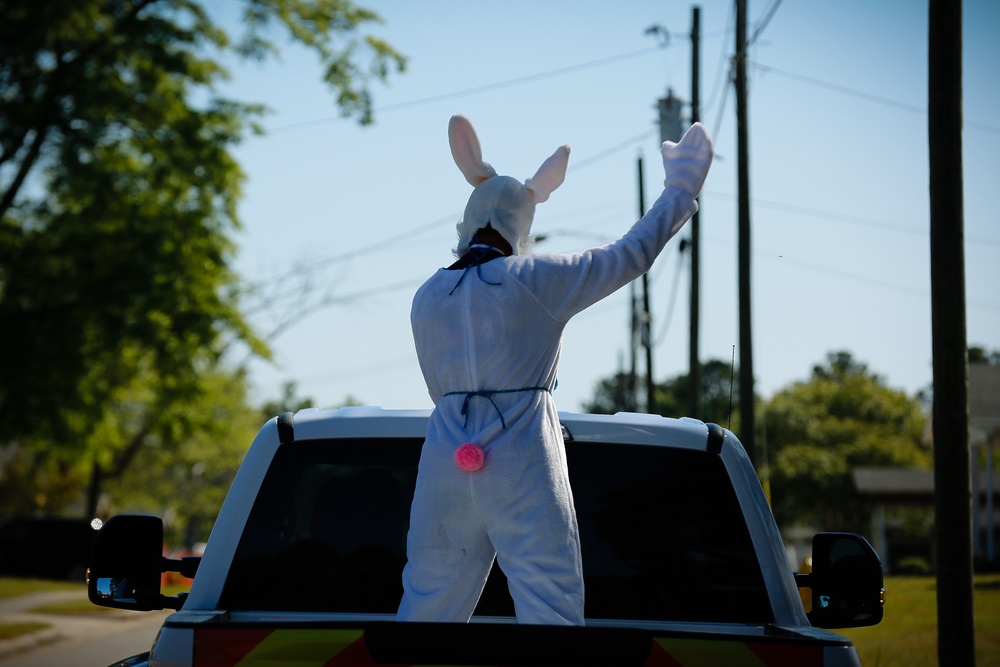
(126, 563)
(846, 582)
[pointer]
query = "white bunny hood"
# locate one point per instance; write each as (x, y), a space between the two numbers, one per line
(503, 202)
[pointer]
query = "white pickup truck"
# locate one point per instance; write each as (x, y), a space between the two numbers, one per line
(683, 562)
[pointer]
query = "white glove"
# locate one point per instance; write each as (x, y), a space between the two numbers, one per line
(686, 163)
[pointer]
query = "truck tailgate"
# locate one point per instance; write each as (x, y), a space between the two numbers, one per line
(222, 644)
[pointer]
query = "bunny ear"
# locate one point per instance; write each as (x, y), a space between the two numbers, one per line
(549, 176)
(467, 152)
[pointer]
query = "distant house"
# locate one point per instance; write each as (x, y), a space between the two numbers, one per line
(896, 487)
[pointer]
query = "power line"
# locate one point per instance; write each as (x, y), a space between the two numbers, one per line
(369, 249)
(722, 61)
(597, 157)
(716, 130)
(659, 338)
(836, 87)
(862, 94)
(482, 89)
(396, 239)
(343, 299)
(846, 275)
(367, 370)
(305, 272)
(762, 24)
(720, 75)
(845, 217)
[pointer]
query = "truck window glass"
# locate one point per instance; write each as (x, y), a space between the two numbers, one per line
(662, 533)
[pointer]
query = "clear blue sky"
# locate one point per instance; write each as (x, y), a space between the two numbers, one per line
(355, 218)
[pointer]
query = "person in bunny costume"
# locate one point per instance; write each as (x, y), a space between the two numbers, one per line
(492, 479)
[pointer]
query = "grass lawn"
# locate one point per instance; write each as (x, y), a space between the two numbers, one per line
(11, 587)
(83, 606)
(12, 630)
(907, 635)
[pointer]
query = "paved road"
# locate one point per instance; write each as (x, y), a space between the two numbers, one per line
(87, 640)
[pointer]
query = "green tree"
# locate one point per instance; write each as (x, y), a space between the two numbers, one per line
(186, 463)
(183, 460)
(289, 401)
(610, 395)
(819, 430)
(31, 481)
(977, 355)
(118, 196)
(717, 378)
(980, 355)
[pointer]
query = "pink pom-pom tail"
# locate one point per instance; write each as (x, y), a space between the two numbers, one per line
(469, 457)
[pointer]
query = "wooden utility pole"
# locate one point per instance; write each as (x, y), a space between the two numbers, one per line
(747, 420)
(647, 315)
(950, 413)
(694, 374)
(631, 387)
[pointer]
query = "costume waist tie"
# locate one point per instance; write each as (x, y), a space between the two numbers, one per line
(488, 394)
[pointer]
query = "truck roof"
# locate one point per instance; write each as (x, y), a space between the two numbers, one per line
(624, 427)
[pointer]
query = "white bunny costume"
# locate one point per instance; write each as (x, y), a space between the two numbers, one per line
(488, 334)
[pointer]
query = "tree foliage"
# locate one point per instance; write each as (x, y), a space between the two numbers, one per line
(819, 430)
(719, 404)
(980, 355)
(289, 401)
(182, 459)
(118, 197)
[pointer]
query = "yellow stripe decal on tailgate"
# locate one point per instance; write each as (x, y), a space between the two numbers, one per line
(300, 647)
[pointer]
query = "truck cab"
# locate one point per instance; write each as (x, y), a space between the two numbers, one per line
(681, 556)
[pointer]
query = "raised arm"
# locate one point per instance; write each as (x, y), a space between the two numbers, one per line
(568, 284)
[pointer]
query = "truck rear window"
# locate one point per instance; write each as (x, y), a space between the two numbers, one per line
(662, 533)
